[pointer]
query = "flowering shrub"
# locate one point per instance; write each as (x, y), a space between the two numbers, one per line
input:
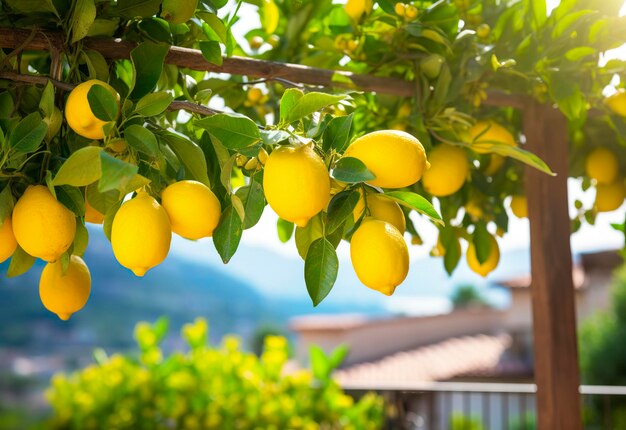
(208, 387)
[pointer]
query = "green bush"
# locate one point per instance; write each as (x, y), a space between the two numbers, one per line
(207, 387)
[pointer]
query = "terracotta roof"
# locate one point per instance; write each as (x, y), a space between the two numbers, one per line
(327, 322)
(578, 274)
(461, 356)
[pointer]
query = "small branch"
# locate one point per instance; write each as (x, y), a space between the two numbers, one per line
(18, 49)
(42, 80)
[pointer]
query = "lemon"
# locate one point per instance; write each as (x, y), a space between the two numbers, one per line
(396, 158)
(485, 133)
(357, 8)
(381, 208)
(610, 196)
(440, 250)
(296, 183)
(141, 234)
(193, 209)
(256, 42)
(64, 294)
(8, 244)
(483, 31)
(43, 227)
(519, 206)
(474, 209)
(617, 102)
(177, 11)
(379, 255)
(254, 95)
(601, 165)
(448, 170)
(92, 215)
(78, 112)
(489, 264)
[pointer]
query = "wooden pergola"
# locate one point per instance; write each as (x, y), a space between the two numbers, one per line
(545, 128)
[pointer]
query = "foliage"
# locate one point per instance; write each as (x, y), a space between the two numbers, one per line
(461, 422)
(453, 52)
(467, 296)
(209, 387)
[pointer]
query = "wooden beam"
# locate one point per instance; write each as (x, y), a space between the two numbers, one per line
(553, 302)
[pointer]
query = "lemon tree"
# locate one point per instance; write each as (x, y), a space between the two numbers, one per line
(107, 117)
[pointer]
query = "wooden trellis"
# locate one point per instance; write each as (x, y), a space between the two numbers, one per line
(553, 305)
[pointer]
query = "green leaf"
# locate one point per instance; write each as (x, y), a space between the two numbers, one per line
(310, 103)
(190, 155)
(81, 239)
(32, 6)
(138, 8)
(148, 59)
(238, 206)
(515, 152)
(285, 230)
(153, 104)
(116, 174)
(7, 105)
(46, 104)
(28, 134)
(21, 263)
(103, 104)
(227, 172)
(337, 357)
(101, 202)
(290, 98)
(97, 64)
(538, 8)
(227, 235)
(211, 51)
(580, 52)
(340, 208)
(308, 234)
(6, 204)
(416, 202)
(233, 131)
(320, 269)
(82, 168)
(482, 242)
(142, 139)
(319, 363)
(352, 170)
(568, 20)
(253, 201)
(83, 15)
(450, 242)
(337, 133)
(216, 29)
(72, 198)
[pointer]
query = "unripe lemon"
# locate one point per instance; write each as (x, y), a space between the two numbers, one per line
(610, 196)
(405, 110)
(43, 227)
(489, 264)
(296, 183)
(141, 234)
(65, 294)
(78, 112)
(400, 9)
(256, 42)
(356, 8)
(601, 165)
(410, 12)
(8, 244)
(448, 170)
(519, 206)
(617, 102)
(178, 11)
(379, 255)
(381, 208)
(92, 215)
(193, 209)
(396, 158)
(263, 156)
(483, 31)
(485, 133)
(431, 65)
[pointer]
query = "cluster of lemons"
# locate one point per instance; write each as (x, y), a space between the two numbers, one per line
(601, 165)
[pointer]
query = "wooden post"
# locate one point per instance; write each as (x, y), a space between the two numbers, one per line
(553, 302)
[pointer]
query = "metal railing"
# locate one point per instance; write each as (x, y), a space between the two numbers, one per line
(488, 406)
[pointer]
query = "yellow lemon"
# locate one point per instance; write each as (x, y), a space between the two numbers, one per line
(296, 183)
(519, 206)
(141, 234)
(610, 196)
(8, 244)
(43, 227)
(448, 170)
(489, 264)
(397, 158)
(193, 209)
(617, 102)
(177, 11)
(92, 215)
(357, 8)
(64, 294)
(601, 165)
(78, 112)
(485, 133)
(254, 95)
(381, 208)
(474, 209)
(379, 255)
